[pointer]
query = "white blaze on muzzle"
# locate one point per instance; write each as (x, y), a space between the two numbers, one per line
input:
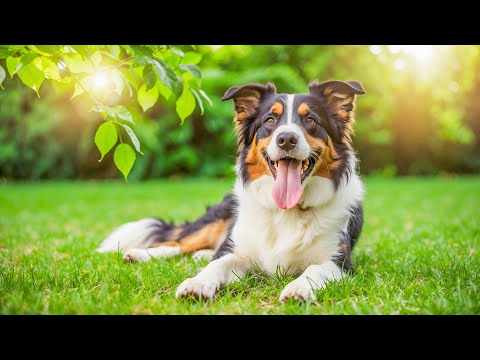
(288, 188)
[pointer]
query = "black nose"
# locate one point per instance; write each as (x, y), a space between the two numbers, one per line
(287, 140)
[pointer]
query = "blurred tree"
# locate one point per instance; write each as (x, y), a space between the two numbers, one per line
(420, 114)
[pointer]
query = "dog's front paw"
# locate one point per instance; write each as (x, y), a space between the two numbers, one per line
(136, 255)
(203, 254)
(299, 289)
(199, 289)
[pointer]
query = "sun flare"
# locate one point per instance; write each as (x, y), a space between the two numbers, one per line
(100, 81)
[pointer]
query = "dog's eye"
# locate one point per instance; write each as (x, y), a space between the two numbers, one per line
(311, 121)
(270, 121)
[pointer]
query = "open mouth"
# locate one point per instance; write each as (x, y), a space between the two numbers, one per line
(305, 170)
(289, 175)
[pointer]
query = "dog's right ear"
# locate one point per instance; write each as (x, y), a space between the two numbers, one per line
(247, 98)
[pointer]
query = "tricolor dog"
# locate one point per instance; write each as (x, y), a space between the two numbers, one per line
(296, 203)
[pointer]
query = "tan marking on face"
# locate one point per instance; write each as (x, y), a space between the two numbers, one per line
(277, 109)
(328, 160)
(207, 237)
(303, 109)
(241, 116)
(256, 164)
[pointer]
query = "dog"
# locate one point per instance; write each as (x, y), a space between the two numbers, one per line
(296, 203)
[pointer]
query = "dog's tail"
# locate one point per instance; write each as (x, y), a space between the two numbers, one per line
(207, 232)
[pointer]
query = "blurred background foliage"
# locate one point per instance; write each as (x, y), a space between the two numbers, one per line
(420, 116)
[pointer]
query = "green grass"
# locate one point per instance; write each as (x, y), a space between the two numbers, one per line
(418, 254)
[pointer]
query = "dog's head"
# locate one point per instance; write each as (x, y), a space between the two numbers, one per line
(293, 137)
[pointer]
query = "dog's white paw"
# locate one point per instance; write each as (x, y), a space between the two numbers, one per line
(203, 254)
(299, 289)
(136, 255)
(199, 289)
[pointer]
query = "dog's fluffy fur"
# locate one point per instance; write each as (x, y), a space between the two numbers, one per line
(296, 203)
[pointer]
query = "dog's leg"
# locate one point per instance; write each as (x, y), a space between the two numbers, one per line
(313, 278)
(144, 255)
(218, 272)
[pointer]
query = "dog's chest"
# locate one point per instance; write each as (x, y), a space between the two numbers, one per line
(292, 239)
(289, 239)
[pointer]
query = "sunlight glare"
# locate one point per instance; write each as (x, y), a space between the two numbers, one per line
(399, 64)
(421, 53)
(375, 49)
(100, 80)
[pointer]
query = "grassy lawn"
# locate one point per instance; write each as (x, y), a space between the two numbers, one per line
(418, 254)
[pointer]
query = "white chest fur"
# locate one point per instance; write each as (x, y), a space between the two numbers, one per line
(292, 239)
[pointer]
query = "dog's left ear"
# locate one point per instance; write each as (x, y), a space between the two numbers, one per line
(247, 98)
(340, 95)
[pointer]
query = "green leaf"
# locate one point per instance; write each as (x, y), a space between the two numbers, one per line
(178, 87)
(13, 65)
(185, 103)
(106, 111)
(177, 51)
(31, 76)
(118, 81)
(115, 113)
(81, 50)
(78, 91)
(140, 60)
(171, 58)
(192, 69)
(45, 50)
(93, 48)
(133, 137)
(131, 79)
(192, 81)
(149, 76)
(8, 50)
(163, 90)
(2, 75)
(191, 58)
(142, 54)
(77, 65)
(115, 50)
(99, 109)
(206, 97)
(28, 58)
(49, 68)
(96, 58)
(124, 158)
(165, 73)
(147, 99)
(122, 113)
(106, 138)
(142, 50)
(199, 99)
(16, 47)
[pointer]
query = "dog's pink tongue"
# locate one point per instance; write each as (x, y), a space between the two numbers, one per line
(288, 188)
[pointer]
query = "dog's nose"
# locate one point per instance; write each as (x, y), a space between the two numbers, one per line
(287, 140)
